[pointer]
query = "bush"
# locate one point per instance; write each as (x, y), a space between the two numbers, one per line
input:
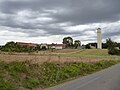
(112, 50)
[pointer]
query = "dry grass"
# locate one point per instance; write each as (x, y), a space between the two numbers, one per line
(66, 51)
(91, 55)
(41, 59)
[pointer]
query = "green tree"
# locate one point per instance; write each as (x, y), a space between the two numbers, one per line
(13, 47)
(0, 47)
(9, 46)
(77, 43)
(112, 47)
(37, 48)
(68, 41)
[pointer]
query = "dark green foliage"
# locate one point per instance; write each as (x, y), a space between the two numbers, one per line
(113, 51)
(13, 47)
(104, 46)
(118, 45)
(87, 46)
(15, 75)
(0, 47)
(112, 47)
(37, 48)
(68, 41)
(77, 43)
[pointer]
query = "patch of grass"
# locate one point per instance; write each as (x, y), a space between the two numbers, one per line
(30, 83)
(55, 73)
(19, 74)
(92, 53)
(6, 85)
(15, 75)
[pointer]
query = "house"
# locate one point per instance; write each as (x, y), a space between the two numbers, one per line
(56, 46)
(44, 46)
(26, 44)
(60, 46)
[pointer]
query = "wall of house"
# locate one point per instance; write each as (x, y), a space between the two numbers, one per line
(59, 47)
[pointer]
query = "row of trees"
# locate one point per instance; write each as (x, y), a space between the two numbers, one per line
(113, 47)
(68, 41)
(87, 46)
(13, 47)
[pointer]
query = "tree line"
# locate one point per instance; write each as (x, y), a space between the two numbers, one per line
(14, 47)
(113, 47)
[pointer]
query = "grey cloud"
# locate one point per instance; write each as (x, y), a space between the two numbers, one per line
(112, 33)
(36, 5)
(77, 12)
(94, 11)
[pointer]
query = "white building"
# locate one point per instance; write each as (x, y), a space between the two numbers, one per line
(56, 46)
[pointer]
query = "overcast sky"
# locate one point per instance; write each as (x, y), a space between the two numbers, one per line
(49, 21)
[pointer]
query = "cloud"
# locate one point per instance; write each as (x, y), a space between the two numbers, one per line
(50, 18)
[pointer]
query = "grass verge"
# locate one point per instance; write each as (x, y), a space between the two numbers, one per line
(98, 53)
(17, 75)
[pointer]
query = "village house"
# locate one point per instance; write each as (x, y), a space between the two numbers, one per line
(26, 44)
(56, 46)
(43, 45)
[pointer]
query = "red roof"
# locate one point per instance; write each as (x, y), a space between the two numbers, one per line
(56, 44)
(26, 44)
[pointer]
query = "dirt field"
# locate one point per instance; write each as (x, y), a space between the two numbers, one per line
(41, 59)
(68, 55)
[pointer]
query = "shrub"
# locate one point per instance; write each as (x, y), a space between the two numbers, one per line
(112, 50)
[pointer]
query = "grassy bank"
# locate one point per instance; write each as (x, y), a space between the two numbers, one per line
(100, 53)
(24, 75)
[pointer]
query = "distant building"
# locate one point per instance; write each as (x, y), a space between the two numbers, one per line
(44, 46)
(26, 44)
(56, 46)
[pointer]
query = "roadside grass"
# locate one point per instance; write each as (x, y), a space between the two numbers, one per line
(25, 75)
(100, 53)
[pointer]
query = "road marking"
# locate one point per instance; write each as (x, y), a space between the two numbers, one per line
(90, 81)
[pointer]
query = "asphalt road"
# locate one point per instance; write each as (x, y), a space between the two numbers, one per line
(108, 79)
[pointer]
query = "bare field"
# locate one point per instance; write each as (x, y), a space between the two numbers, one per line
(41, 59)
(67, 51)
(92, 55)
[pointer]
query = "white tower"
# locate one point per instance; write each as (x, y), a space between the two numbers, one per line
(99, 38)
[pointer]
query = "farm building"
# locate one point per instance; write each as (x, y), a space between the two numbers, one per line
(44, 46)
(56, 46)
(26, 44)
